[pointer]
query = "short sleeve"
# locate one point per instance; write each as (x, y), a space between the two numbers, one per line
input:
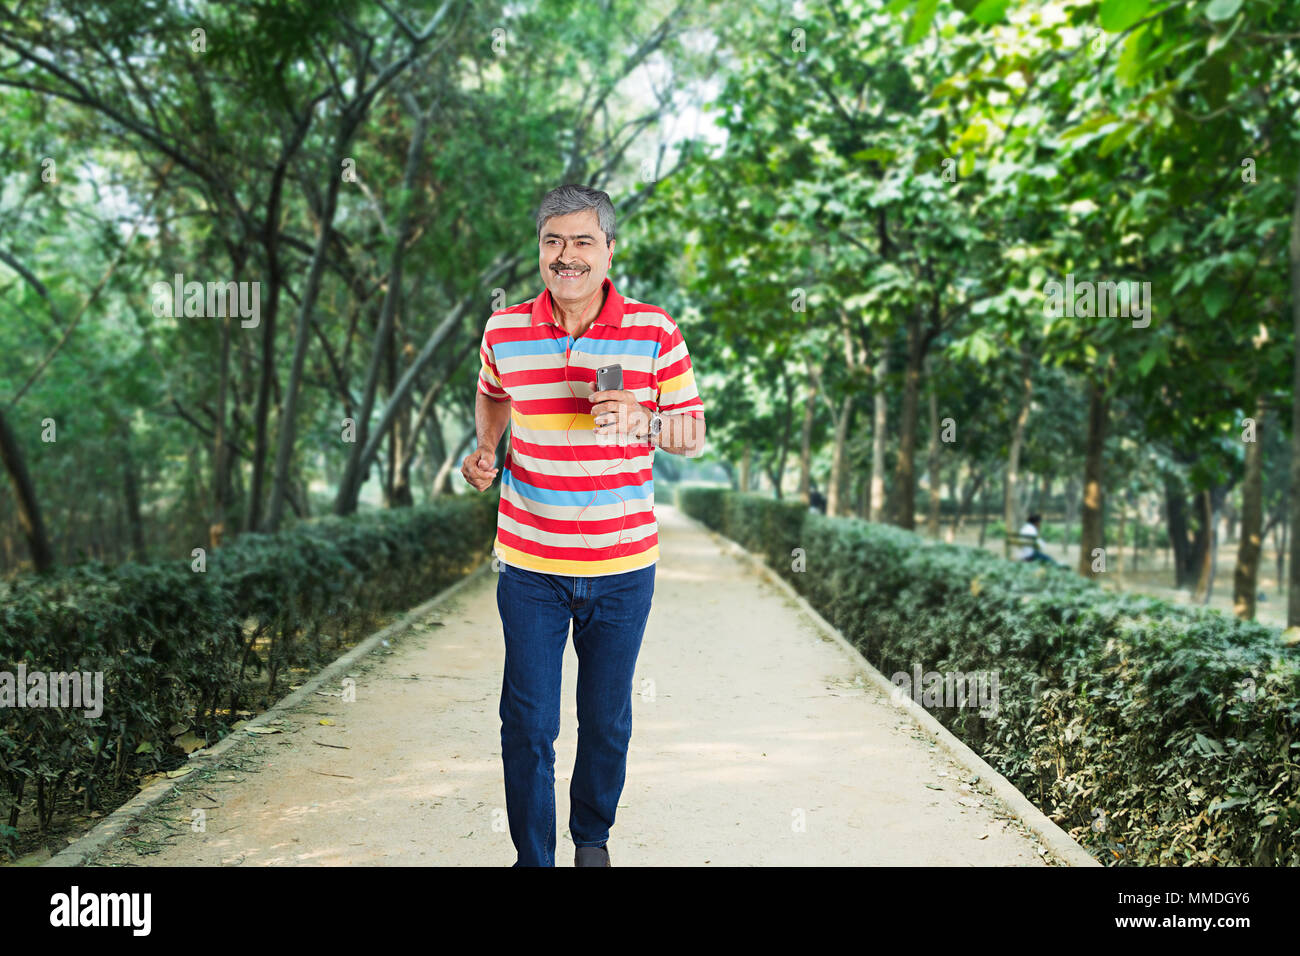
(489, 377)
(676, 393)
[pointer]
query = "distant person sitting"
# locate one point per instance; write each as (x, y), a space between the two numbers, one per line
(1030, 552)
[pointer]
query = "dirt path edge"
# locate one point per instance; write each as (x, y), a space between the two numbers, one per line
(1057, 841)
(112, 826)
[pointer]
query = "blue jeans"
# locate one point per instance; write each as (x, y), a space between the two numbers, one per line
(609, 616)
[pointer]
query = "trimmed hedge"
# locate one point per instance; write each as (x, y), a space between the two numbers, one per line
(175, 646)
(1155, 734)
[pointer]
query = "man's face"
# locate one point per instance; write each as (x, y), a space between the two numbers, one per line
(573, 256)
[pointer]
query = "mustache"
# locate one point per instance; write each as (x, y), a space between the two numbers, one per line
(560, 267)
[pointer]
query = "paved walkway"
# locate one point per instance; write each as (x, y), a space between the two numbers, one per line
(755, 741)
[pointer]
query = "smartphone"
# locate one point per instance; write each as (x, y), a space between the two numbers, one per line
(609, 378)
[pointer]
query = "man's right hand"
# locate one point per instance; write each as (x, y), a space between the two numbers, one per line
(478, 468)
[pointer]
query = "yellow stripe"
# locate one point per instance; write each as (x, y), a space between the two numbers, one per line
(684, 380)
(518, 559)
(553, 423)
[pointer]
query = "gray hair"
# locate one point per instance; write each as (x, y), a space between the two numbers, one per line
(563, 200)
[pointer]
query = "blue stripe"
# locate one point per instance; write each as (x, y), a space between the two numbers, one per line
(505, 350)
(577, 499)
(646, 347)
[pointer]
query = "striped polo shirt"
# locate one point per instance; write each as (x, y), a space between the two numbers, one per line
(568, 504)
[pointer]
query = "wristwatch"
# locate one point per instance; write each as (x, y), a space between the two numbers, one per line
(656, 426)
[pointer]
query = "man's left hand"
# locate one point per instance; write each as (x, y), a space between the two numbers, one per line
(618, 413)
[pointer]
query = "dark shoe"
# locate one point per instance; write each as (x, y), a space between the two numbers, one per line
(590, 856)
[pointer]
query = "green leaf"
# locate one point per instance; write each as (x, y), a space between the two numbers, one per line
(1209, 747)
(990, 12)
(1216, 298)
(1149, 358)
(874, 152)
(1115, 139)
(965, 6)
(1132, 58)
(1226, 804)
(1222, 9)
(922, 17)
(1089, 125)
(1117, 15)
(1216, 77)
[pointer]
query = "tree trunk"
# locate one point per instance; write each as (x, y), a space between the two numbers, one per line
(220, 456)
(1176, 518)
(1293, 585)
(1010, 515)
(932, 464)
(903, 510)
(1119, 536)
(974, 483)
(838, 455)
(1071, 513)
(262, 409)
(743, 479)
(1091, 519)
(29, 509)
(399, 439)
(1196, 553)
(778, 475)
(880, 413)
(302, 337)
(1205, 569)
(270, 239)
(1245, 579)
(805, 442)
(131, 498)
(953, 474)
(1281, 535)
(984, 518)
(454, 456)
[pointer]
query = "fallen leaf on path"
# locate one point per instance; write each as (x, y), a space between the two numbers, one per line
(190, 742)
(262, 730)
(326, 722)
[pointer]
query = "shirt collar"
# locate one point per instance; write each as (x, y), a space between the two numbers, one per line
(611, 314)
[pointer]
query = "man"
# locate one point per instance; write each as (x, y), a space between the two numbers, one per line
(577, 538)
(1030, 530)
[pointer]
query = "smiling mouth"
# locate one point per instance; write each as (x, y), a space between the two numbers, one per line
(570, 273)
